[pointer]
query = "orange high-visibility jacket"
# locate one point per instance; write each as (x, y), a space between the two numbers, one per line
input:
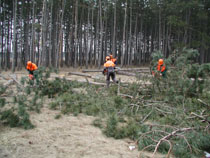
(113, 60)
(161, 68)
(109, 64)
(31, 67)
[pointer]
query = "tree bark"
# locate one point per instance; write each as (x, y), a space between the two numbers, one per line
(14, 35)
(75, 33)
(101, 35)
(124, 40)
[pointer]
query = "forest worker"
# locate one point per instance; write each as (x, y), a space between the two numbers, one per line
(114, 60)
(109, 67)
(161, 68)
(31, 67)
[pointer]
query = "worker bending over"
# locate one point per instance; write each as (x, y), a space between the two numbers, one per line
(109, 70)
(31, 67)
(161, 68)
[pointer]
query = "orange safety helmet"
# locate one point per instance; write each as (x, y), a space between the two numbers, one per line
(160, 62)
(107, 58)
(29, 63)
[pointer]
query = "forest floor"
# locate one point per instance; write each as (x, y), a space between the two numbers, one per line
(67, 137)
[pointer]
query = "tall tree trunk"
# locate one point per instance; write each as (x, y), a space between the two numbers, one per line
(49, 53)
(8, 47)
(60, 55)
(114, 30)
(87, 39)
(124, 40)
(91, 54)
(136, 40)
(130, 36)
(159, 35)
(43, 34)
(33, 33)
(101, 35)
(75, 33)
(14, 35)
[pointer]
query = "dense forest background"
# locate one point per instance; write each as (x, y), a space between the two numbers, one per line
(57, 33)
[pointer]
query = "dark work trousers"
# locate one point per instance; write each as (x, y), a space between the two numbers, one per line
(31, 72)
(112, 75)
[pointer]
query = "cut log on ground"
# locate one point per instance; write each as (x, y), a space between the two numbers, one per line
(80, 74)
(133, 69)
(86, 70)
(8, 83)
(5, 78)
(126, 73)
(143, 71)
(15, 79)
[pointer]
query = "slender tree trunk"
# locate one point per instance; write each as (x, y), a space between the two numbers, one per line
(49, 53)
(8, 47)
(130, 36)
(91, 54)
(14, 35)
(75, 33)
(87, 39)
(60, 55)
(159, 37)
(124, 40)
(33, 33)
(43, 34)
(101, 35)
(96, 40)
(114, 30)
(136, 40)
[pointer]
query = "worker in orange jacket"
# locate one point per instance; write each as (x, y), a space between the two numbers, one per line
(31, 67)
(109, 70)
(160, 69)
(114, 60)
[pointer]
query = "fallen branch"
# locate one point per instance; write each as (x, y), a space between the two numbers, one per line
(8, 83)
(163, 112)
(126, 95)
(201, 101)
(167, 137)
(146, 116)
(16, 81)
(201, 117)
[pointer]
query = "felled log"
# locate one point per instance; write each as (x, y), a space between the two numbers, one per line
(14, 79)
(90, 82)
(126, 73)
(8, 83)
(133, 69)
(96, 70)
(80, 74)
(143, 71)
(2, 76)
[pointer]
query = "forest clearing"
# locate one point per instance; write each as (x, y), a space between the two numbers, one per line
(69, 136)
(105, 78)
(146, 115)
